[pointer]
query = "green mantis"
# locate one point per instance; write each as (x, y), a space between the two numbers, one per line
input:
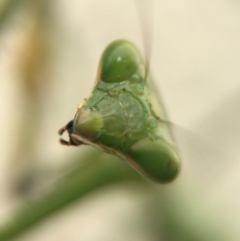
(119, 116)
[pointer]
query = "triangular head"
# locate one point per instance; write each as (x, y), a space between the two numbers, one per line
(119, 117)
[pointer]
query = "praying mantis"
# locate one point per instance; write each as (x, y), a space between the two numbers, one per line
(131, 123)
(119, 116)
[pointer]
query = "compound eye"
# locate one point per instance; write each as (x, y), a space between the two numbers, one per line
(119, 62)
(87, 123)
(156, 160)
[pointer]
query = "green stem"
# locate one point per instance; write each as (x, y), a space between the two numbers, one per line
(96, 174)
(8, 7)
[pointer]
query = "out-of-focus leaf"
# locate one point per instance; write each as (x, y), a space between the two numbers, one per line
(8, 7)
(100, 170)
(177, 218)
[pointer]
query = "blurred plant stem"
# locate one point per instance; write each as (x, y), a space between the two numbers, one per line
(31, 59)
(99, 171)
(180, 219)
(7, 7)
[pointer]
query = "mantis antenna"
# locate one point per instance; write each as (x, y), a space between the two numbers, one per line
(145, 12)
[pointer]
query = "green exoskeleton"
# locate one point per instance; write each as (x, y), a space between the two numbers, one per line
(122, 117)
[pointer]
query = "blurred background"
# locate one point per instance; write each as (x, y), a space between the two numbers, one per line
(49, 53)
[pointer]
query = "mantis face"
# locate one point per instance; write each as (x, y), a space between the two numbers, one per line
(119, 116)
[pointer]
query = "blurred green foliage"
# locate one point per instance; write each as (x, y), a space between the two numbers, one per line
(93, 175)
(8, 7)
